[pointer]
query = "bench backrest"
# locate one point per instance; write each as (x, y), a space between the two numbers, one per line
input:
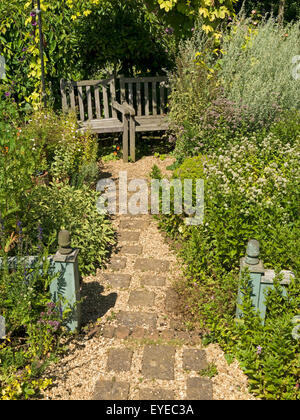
(90, 99)
(147, 95)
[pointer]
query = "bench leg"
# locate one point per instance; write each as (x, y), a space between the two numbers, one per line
(132, 139)
(125, 139)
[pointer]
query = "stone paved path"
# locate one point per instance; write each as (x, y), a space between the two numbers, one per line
(133, 344)
(152, 356)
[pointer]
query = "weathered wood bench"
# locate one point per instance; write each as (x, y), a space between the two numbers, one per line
(142, 106)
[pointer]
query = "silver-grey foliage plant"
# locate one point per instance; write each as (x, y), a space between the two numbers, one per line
(257, 68)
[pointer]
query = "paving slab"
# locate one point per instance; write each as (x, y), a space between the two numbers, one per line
(152, 264)
(122, 332)
(132, 249)
(199, 389)
(128, 236)
(156, 394)
(158, 362)
(138, 333)
(108, 331)
(141, 298)
(137, 319)
(194, 359)
(171, 300)
(118, 280)
(153, 280)
(117, 263)
(119, 360)
(111, 390)
(132, 223)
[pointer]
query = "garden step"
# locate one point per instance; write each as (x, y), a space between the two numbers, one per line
(111, 390)
(128, 236)
(131, 249)
(133, 223)
(153, 280)
(151, 264)
(158, 362)
(137, 319)
(194, 359)
(141, 298)
(117, 263)
(199, 389)
(118, 280)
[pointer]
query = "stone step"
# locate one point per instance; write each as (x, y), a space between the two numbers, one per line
(128, 236)
(152, 264)
(118, 280)
(141, 298)
(153, 280)
(131, 249)
(137, 319)
(111, 390)
(158, 362)
(123, 332)
(131, 224)
(117, 263)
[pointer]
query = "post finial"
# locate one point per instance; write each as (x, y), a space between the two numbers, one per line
(64, 242)
(252, 252)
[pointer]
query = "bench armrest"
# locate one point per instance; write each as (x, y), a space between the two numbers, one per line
(129, 108)
(124, 108)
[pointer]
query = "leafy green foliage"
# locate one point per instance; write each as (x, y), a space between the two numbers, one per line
(131, 39)
(60, 206)
(181, 14)
(17, 164)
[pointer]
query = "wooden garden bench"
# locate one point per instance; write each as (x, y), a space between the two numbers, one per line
(143, 106)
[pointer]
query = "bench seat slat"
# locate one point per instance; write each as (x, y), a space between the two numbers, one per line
(107, 125)
(151, 123)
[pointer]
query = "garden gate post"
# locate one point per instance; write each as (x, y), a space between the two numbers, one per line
(256, 271)
(66, 287)
(261, 280)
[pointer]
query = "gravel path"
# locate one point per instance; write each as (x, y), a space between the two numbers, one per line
(135, 346)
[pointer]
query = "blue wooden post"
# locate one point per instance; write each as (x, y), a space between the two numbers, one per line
(267, 282)
(66, 287)
(260, 280)
(256, 270)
